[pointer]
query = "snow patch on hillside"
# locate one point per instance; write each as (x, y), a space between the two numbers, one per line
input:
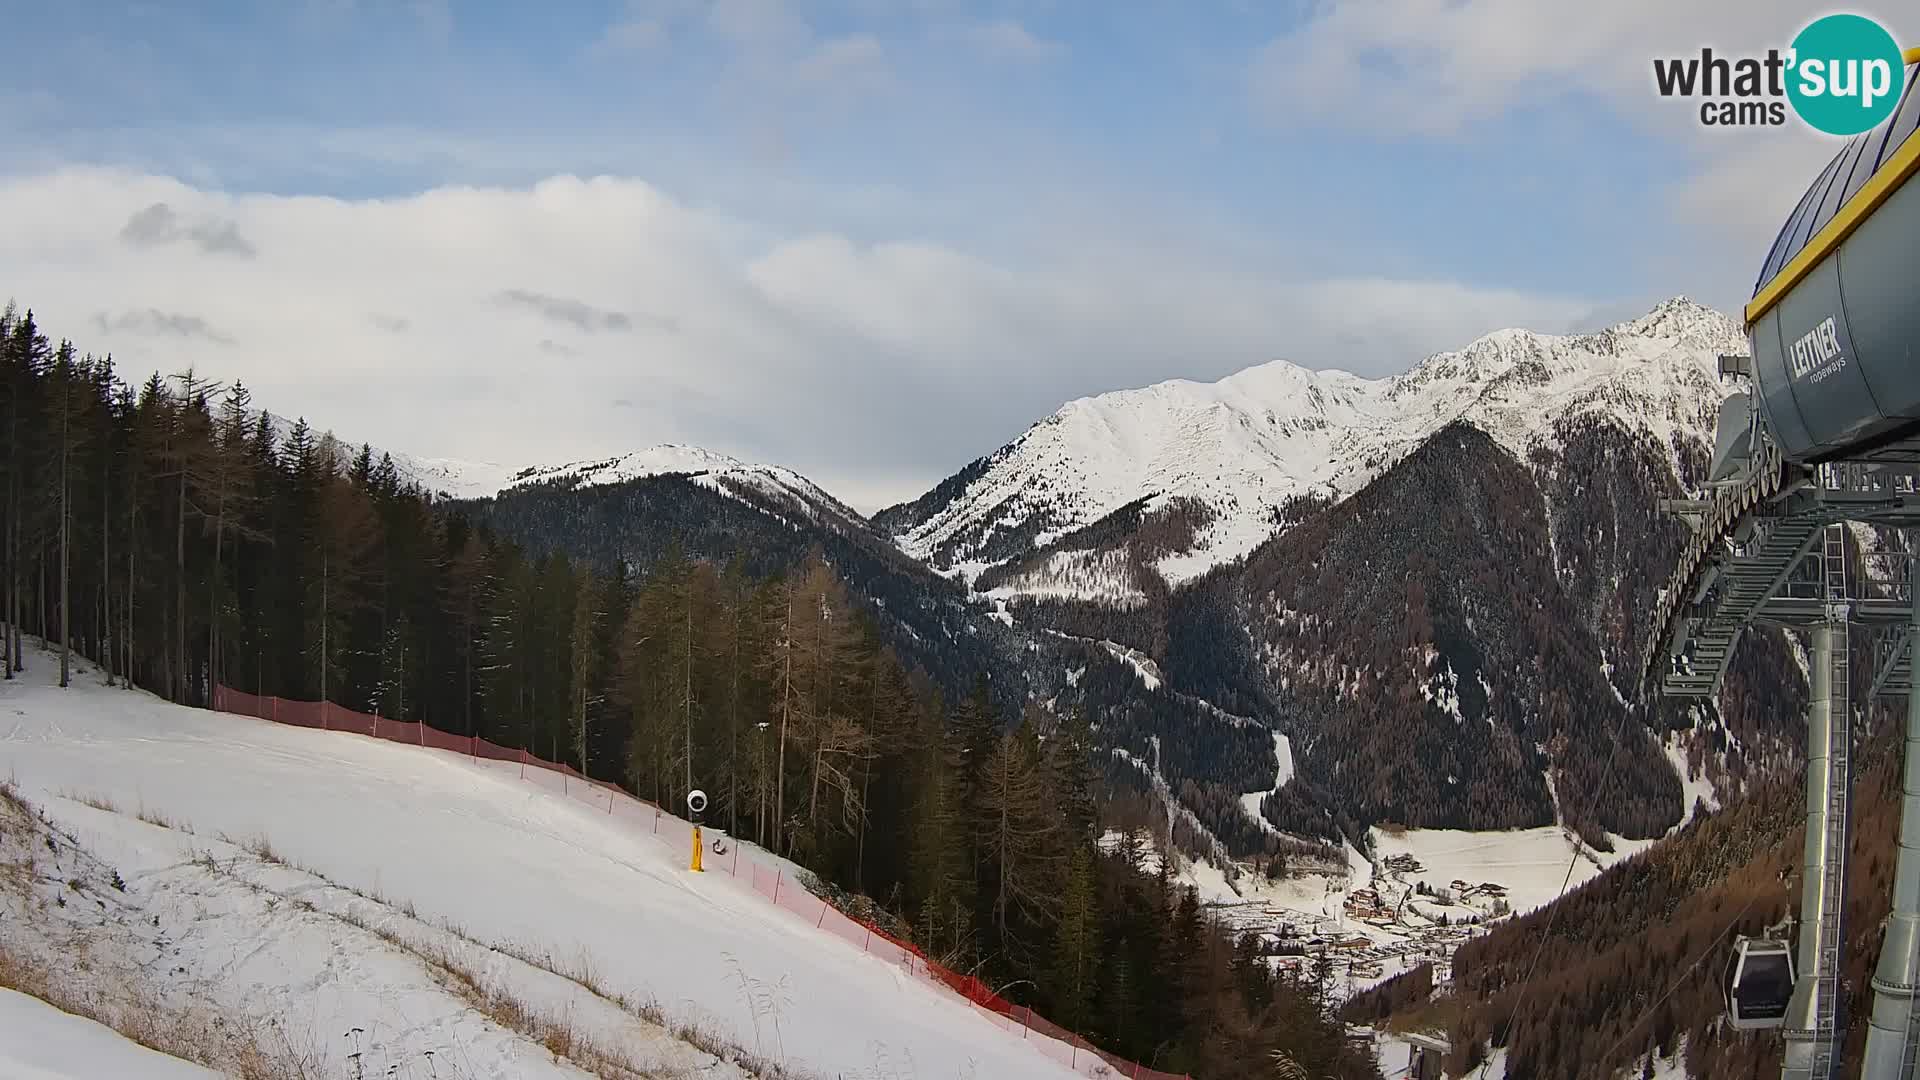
(39, 1042)
(1075, 575)
(1692, 788)
(1141, 663)
(1283, 772)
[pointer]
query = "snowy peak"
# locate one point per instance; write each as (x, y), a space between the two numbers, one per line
(667, 459)
(1682, 319)
(1243, 447)
(462, 479)
(720, 472)
(448, 477)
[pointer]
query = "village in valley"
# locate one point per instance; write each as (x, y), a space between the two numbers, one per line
(1363, 933)
(1356, 924)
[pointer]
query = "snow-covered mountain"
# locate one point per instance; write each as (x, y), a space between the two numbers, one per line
(449, 477)
(1229, 455)
(458, 478)
(719, 472)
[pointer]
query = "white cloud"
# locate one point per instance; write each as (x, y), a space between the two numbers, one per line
(1741, 194)
(1423, 312)
(585, 317)
(1438, 68)
(646, 24)
(1434, 66)
(1006, 39)
(757, 22)
(842, 61)
(153, 322)
(630, 35)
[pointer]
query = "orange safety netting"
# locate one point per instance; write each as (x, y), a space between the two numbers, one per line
(772, 883)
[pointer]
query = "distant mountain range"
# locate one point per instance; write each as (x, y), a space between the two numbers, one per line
(1426, 581)
(1230, 456)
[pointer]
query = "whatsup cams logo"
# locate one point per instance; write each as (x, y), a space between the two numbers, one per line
(1842, 75)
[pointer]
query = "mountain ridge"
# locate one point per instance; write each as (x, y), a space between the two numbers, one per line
(1243, 446)
(1228, 483)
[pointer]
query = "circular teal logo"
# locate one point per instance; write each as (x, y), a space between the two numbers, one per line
(1844, 74)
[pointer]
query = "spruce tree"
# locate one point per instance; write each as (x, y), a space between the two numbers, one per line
(1076, 943)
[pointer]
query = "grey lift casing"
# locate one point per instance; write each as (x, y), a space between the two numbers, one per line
(1851, 383)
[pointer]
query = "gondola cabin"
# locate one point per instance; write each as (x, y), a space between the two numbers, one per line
(1759, 983)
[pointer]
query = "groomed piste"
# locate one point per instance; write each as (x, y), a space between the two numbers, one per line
(513, 856)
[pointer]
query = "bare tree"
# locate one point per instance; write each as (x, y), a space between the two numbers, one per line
(190, 448)
(586, 626)
(1019, 832)
(69, 400)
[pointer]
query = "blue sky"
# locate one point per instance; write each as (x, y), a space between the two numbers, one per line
(1442, 167)
(1008, 106)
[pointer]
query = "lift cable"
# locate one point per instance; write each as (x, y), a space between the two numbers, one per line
(1553, 912)
(1705, 952)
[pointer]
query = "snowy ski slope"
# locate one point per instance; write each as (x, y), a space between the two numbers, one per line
(39, 1042)
(470, 844)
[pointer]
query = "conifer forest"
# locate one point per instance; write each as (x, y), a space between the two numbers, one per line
(179, 537)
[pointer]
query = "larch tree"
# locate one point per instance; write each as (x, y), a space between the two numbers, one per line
(467, 594)
(779, 664)
(584, 633)
(343, 537)
(191, 454)
(67, 402)
(1019, 833)
(823, 638)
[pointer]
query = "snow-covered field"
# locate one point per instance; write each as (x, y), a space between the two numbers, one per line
(1530, 864)
(39, 1042)
(444, 856)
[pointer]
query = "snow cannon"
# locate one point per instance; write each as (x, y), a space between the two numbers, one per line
(696, 806)
(1834, 322)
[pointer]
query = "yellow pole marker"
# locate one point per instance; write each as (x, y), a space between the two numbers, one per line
(1911, 56)
(695, 866)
